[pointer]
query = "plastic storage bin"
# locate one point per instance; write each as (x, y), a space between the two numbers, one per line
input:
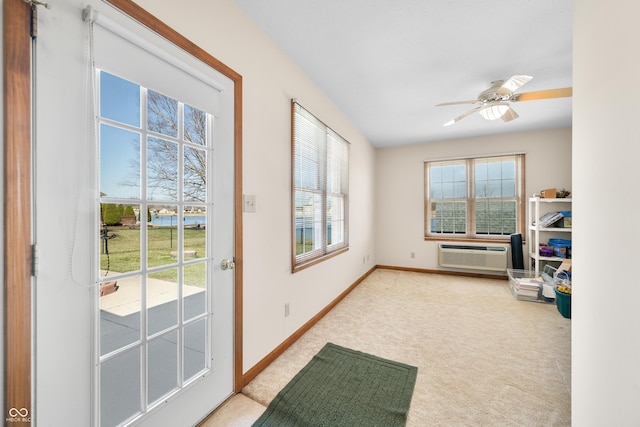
(525, 285)
(563, 302)
(546, 251)
(561, 247)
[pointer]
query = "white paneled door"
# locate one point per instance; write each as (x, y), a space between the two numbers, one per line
(134, 224)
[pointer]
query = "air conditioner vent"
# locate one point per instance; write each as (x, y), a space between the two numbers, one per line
(492, 258)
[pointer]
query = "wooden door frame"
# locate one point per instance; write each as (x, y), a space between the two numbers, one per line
(18, 198)
(17, 209)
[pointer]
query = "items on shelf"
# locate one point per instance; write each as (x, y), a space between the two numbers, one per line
(552, 215)
(561, 247)
(552, 193)
(549, 193)
(565, 221)
(549, 218)
(545, 250)
(555, 219)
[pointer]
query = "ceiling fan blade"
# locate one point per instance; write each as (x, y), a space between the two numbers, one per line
(463, 115)
(512, 85)
(543, 94)
(475, 101)
(510, 115)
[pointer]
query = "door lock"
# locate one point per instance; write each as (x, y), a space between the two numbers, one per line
(227, 264)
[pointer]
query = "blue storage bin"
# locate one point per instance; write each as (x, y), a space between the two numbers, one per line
(561, 247)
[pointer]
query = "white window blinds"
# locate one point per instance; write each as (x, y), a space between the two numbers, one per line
(155, 63)
(320, 188)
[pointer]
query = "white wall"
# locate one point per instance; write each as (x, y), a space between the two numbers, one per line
(606, 175)
(270, 80)
(400, 185)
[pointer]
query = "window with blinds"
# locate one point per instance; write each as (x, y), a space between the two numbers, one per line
(320, 190)
(474, 198)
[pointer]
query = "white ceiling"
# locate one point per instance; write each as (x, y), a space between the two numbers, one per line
(387, 63)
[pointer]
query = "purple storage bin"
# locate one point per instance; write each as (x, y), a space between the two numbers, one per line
(546, 251)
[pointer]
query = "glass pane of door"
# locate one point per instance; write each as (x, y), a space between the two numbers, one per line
(120, 389)
(154, 239)
(163, 366)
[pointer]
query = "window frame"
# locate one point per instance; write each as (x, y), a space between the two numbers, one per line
(470, 198)
(324, 191)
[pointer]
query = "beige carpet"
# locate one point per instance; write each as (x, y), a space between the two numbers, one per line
(483, 358)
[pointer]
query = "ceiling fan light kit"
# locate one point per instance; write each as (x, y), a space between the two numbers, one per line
(494, 111)
(494, 101)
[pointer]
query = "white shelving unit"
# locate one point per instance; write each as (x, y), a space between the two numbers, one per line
(537, 208)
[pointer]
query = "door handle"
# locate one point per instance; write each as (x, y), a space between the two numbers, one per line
(227, 264)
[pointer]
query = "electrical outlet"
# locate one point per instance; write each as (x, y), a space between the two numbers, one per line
(248, 203)
(413, 254)
(286, 309)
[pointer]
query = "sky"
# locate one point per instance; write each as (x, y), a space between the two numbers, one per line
(119, 148)
(121, 104)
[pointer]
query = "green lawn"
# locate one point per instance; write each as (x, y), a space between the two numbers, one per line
(124, 252)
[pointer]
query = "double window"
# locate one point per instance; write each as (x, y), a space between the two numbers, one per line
(320, 189)
(474, 198)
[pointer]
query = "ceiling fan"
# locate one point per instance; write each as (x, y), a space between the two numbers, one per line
(493, 103)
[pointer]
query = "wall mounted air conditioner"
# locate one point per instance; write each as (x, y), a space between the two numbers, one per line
(492, 258)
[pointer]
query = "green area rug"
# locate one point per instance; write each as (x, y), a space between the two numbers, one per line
(343, 387)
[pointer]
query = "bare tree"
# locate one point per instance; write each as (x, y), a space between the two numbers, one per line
(163, 155)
